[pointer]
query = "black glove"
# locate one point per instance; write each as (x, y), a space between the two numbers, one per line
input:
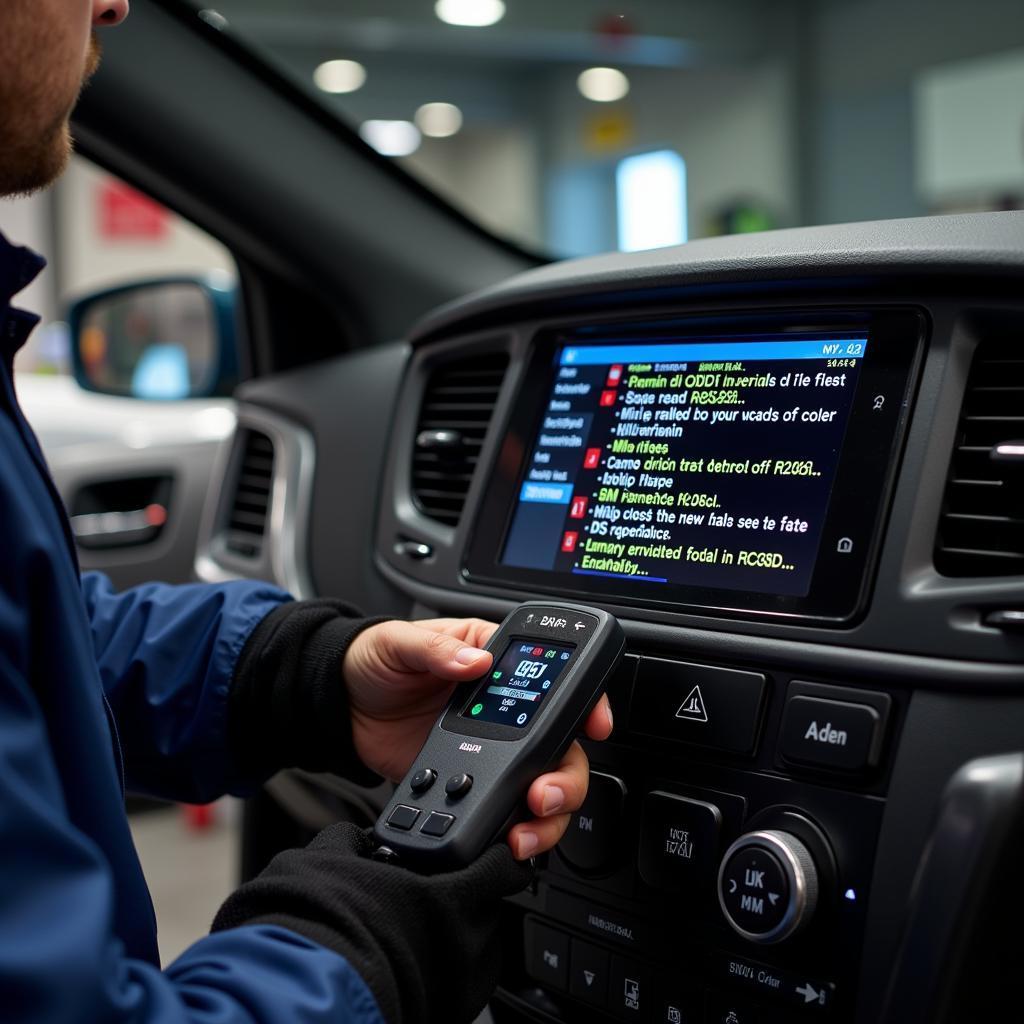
(288, 706)
(427, 946)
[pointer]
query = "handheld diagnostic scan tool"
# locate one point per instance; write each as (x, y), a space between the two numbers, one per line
(498, 733)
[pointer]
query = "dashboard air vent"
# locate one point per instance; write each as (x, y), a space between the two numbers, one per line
(981, 532)
(247, 517)
(457, 406)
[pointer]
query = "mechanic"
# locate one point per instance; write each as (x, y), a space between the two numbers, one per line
(193, 691)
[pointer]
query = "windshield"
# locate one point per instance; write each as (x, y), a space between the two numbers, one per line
(575, 127)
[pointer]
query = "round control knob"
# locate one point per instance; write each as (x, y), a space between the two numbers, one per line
(458, 785)
(767, 886)
(423, 780)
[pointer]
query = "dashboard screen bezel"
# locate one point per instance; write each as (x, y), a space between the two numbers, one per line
(861, 490)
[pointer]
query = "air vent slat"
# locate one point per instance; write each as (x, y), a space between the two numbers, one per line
(459, 397)
(981, 530)
(981, 554)
(427, 475)
(246, 522)
(967, 517)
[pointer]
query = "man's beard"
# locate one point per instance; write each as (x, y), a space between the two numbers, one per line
(36, 155)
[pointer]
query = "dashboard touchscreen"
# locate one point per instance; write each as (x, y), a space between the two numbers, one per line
(707, 462)
(739, 464)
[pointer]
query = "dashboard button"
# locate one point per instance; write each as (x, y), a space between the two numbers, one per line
(547, 955)
(724, 1008)
(591, 841)
(678, 842)
(675, 1002)
(830, 734)
(629, 990)
(403, 817)
(713, 707)
(458, 785)
(423, 780)
(791, 985)
(437, 824)
(588, 973)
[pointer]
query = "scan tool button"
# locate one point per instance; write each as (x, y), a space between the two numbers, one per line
(423, 780)
(458, 785)
(437, 824)
(404, 817)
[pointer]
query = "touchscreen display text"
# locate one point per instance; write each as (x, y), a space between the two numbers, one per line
(705, 463)
(512, 692)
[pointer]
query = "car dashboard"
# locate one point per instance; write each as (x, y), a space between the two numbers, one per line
(791, 464)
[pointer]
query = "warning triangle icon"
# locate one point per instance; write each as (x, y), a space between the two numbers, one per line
(693, 706)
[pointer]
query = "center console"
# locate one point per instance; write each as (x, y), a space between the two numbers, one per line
(794, 485)
(722, 862)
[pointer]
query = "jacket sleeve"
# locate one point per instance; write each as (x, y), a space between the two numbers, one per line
(166, 655)
(60, 960)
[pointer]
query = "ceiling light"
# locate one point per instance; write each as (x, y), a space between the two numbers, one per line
(439, 120)
(340, 76)
(603, 85)
(391, 138)
(476, 13)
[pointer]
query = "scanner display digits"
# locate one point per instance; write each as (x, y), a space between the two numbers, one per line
(518, 682)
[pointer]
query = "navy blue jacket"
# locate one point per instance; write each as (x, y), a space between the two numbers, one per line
(100, 692)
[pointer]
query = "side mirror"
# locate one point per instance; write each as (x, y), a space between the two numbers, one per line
(161, 339)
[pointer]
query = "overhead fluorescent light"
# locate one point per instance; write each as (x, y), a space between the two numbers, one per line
(391, 138)
(439, 120)
(339, 76)
(603, 85)
(474, 13)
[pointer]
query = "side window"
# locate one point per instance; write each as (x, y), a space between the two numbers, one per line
(97, 233)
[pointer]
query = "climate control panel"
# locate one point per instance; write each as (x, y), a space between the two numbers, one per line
(707, 879)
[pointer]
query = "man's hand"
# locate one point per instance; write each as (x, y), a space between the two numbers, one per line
(400, 674)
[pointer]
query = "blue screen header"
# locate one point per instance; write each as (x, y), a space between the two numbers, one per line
(724, 352)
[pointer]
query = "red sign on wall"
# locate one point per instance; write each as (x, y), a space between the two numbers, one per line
(128, 215)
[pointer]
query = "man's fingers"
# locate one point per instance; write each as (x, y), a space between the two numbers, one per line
(599, 723)
(563, 790)
(531, 838)
(408, 648)
(474, 631)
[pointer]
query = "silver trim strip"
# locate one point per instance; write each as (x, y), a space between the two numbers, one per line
(284, 558)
